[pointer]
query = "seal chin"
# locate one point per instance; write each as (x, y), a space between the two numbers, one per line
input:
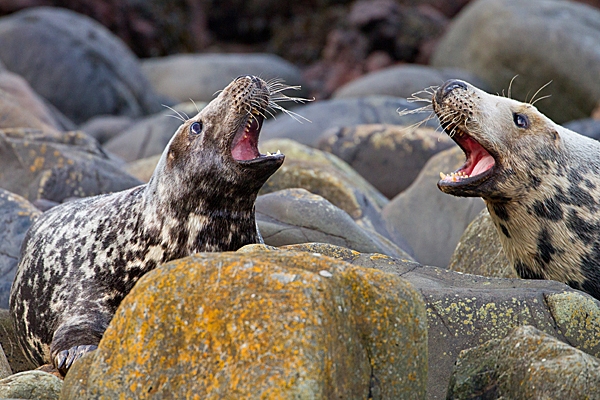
(244, 146)
(479, 166)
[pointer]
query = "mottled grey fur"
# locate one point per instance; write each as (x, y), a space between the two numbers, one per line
(81, 258)
(543, 193)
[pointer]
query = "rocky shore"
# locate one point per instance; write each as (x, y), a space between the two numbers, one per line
(371, 283)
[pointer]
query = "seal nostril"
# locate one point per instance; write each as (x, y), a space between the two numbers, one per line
(451, 85)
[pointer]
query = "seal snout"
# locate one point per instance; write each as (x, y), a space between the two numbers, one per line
(448, 87)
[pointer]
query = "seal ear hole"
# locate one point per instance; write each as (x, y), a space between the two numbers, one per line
(196, 128)
(521, 120)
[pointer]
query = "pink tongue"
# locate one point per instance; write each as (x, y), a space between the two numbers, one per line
(483, 165)
(244, 150)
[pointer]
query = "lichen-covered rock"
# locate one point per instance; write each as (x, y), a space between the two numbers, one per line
(16, 216)
(388, 156)
(294, 216)
(56, 166)
(34, 385)
(480, 252)
(430, 221)
(260, 324)
(96, 73)
(527, 364)
(465, 311)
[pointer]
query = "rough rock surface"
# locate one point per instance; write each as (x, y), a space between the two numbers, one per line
(56, 166)
(388, 156)
(8, 340)
(34, 385)
(96, 73)
(538, 40)
(527, 364)
(297, 216)
(199, 76)
(432, 222)
(277, 324)
(339, 112)
(16, 216)
(479, 251)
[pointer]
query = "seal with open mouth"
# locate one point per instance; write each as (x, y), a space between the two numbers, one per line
(540, 183)
(80, 259)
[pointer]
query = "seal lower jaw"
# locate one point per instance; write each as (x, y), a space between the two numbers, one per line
(244, 146)
(480, 165)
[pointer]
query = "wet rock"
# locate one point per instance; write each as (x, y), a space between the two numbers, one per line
(149, 136)
(16, 216)
(404, 81)
(296, 216)
(432, 222)
(338, 112)
(388, 156)
(480, 252)
(264, 323)
(527, 364)
(465, 311)
(482, 40)
(35, 385)
(199, 76)
(96, 73)
(57, 166)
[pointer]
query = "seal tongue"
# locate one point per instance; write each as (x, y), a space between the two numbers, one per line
(481, 161)
(245, 143)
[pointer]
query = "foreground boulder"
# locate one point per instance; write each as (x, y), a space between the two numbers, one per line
(527, 364)
(34, 385)
(274, 324)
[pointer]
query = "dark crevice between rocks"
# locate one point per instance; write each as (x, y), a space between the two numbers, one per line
(556, 326)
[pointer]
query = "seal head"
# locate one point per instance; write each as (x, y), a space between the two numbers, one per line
(80, 259)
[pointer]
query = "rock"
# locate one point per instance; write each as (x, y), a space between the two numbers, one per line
(35, 385)
(547, 32)
(480, 252)
(296, 216)
(200, 76)
(403, 81)
(588, 127)
(10, 345)
(326, 175)
(56, 166)
(105, 127)
(96, 73)
(388, 156)
(431, 221)
(5, 369)
(149, 136)
(143, 168)
(465, 311)
(527, 364)
(256, 324)
(16, 215)
(339, 112)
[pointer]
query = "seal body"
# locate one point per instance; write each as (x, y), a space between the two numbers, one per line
(540, 183)
(80, 259)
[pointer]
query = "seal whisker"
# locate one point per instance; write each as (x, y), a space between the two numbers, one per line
(292, 114)
(538, 91)
(176, 112)
(541, 98)
(510, 86)
(195, 105)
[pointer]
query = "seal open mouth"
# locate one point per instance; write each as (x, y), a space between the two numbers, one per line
(244, 147)
(478, 166)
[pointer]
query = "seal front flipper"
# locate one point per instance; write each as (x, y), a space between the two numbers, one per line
(63, 360)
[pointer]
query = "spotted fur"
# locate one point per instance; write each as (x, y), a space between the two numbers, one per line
(81, 258)
(543, 192)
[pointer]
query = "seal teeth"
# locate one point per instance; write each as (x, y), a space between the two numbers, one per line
(454, 176)
(278, 152)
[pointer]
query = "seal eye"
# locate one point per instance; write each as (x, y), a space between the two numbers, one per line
(196, 128)
(521, 120)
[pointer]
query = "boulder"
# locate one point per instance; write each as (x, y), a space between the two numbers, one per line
(388, 156)
(12, 350)
(57, 166)
(527, 364)
(430, 221)
(34, 385)
(96, 73)
(589, 127)
(325, 114)
(16, 216)
(480, 252)
(403, 81)
(541, 41)
(273, 324)
(199, 76)
(297, 216)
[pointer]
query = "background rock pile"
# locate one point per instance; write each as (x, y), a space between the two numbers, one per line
(364, 288)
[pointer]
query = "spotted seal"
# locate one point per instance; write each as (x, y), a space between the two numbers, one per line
(81, 258)
(539, 180)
